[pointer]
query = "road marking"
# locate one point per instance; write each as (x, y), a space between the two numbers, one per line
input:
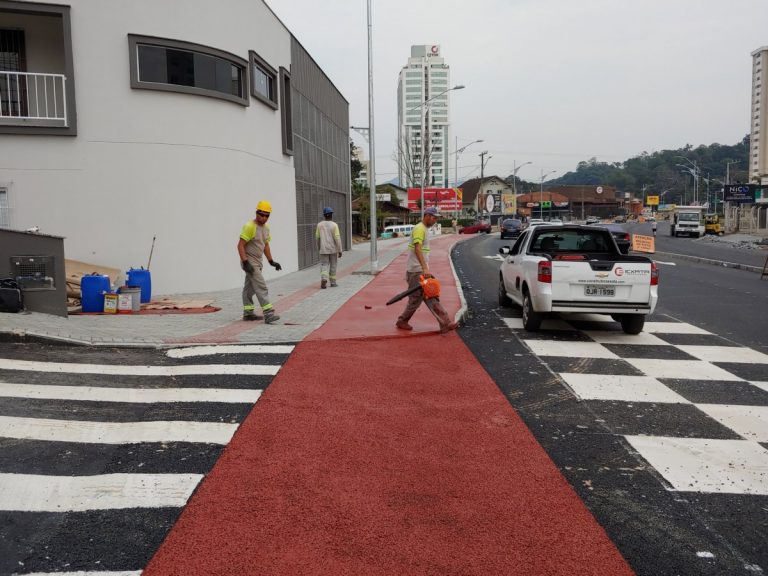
(131, 395)
(37, 493)
(706, 464)
(750, 422)
(192, 351)
(621, 388)
(737, 354)
(115, 432)
(683, 369)
(605, 337)
(673, 328)
(666, 263)
(495, 257)
(569, 349)
(121, 370)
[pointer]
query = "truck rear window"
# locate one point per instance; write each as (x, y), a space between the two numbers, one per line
(571, 241)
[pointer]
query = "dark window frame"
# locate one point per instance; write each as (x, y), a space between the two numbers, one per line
(286, 120)
(34, 9)
(134, 40)
(259, 62)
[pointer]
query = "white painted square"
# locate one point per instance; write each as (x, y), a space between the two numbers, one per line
(547, 324)
(726, 354)
(751, 422)
(673, 328)
(569, 349)
(706, 465)
(617, 337)
(683, 369)
(761, 385)
(621, 388)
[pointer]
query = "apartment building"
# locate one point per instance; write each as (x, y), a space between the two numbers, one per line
(121, 122)
(758, 118)
(423, 128)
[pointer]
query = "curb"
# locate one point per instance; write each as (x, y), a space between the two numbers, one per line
(721, 263)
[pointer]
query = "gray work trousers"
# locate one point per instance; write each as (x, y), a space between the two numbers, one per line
(415, 299)
(328, 266)
(255, 286)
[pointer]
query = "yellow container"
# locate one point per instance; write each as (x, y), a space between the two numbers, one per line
(110, 303)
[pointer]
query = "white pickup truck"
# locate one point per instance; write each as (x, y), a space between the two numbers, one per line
(576, 269)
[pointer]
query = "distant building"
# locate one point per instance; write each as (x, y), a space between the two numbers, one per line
(493, 199)
(758, 117)
(425, 76)
(590, 200)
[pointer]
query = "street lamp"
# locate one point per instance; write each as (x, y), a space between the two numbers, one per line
(456, 155)
(693, 169)
(422, 158)
(728, 170)
(541, 192)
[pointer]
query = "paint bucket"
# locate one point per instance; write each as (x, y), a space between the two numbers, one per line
(135, 294)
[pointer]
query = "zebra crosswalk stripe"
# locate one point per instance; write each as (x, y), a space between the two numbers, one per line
(128, 370)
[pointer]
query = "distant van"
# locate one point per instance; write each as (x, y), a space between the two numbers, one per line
(398, 230)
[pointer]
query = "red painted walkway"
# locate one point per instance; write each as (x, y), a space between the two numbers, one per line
(372, 455)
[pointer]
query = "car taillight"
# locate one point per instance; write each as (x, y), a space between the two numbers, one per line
(654, 274)
(626, 237)
(569, 257)
(545, 271)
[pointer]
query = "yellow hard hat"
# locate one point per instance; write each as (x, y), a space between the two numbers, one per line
(264, 206)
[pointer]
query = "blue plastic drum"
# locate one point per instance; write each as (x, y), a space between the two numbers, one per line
(141, 278)
(92, 289)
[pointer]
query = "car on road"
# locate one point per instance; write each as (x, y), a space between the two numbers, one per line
(510, 228)
(555, 221)
(622, 237)
(479, 226)
(592, 220)
(576, 269)
(619, 219)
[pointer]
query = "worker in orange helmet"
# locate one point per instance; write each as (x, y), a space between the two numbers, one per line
(253, 244)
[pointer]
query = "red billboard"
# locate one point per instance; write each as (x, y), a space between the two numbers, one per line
(445, 199)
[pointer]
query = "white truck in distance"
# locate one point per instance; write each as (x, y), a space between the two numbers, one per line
(687, 220)
(572, 268)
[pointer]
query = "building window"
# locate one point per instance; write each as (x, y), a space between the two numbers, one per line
(174, 66)
(285, 106)
(5, 210)
(263, 80)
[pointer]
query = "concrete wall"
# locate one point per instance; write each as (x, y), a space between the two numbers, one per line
(187, 169)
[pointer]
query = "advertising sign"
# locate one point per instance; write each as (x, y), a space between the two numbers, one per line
(643, 243)
(740, 193)
(383, 197)
(445, 199)
(652, 200)
(508, 203)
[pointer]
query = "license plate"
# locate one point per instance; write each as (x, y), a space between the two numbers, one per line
(599, 291)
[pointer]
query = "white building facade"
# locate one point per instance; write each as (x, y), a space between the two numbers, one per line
(124, 121)
(758, 118)
(424, 77)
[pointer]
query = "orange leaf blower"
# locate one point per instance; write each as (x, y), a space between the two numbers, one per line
(428, 284)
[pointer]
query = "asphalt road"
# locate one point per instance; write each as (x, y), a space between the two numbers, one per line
(659, 528)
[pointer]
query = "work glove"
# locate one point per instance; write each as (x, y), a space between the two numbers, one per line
(275, 265)
(246, 266)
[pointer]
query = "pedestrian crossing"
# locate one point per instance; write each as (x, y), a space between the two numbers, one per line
(101, 450)
(707, 431)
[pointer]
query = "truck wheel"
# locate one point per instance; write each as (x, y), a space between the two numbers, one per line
(633, 323)
(531, 318)
(504, 300)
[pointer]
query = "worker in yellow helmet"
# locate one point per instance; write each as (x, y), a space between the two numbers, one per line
(253, 243)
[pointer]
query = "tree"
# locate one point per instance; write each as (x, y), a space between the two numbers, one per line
(409, 162)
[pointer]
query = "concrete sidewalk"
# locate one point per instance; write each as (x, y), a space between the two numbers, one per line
(298, 299)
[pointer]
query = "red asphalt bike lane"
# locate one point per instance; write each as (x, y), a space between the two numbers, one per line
(374, 455)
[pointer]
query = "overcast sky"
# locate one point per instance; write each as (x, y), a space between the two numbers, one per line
(551, 82)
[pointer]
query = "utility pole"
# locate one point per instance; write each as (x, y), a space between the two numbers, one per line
(371, 149)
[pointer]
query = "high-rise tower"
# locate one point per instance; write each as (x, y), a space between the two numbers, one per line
(758, 117)
(422, 80)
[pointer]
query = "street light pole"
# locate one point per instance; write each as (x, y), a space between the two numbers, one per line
(541, 192)
(423, 146)
(480, 187)
(458, 151)
(371, 149)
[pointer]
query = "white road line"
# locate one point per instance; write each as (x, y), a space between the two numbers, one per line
(725, 354)
(132, 395)
(193, 351)
(621, 388)
(121, 370)
(750, 422)
(705, 464)
(673, 328)
(615, 337)
(37, 493)
(683, 369)
(569, 349)
(115, 432)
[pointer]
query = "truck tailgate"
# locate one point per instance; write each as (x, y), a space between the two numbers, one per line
(601, 282)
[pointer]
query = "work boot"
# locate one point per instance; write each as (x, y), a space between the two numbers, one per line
(403, 325)
(270, 317)
(324, 283)
(448, 327)
(250, 316)
(333, 284)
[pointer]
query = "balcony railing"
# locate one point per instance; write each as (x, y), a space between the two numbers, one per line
(33, 99)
